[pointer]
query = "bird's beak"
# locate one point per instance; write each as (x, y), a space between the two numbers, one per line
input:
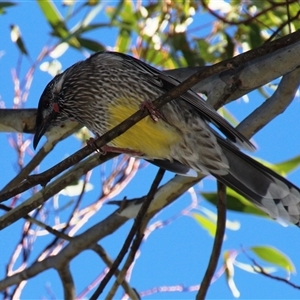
(42, 125)
(40, 129)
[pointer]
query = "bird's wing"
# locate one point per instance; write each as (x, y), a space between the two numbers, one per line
(167, 82)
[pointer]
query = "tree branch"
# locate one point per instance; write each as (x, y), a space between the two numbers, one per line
(67, 282)
(135, 228)
(216, 251)
(273, 106)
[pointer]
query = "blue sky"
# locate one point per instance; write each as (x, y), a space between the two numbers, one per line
(176, 254)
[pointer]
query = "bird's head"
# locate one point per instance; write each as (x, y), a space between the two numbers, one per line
(73, 94)
(49, 113)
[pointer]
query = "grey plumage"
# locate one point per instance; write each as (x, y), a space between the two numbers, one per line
(108, 87)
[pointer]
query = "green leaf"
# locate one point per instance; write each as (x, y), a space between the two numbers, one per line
(91, 44)
(289, 165)
(229, 272)
(160, 59)
(5, 4)
(75, 188)
(92, 15)
(53, 17)
(235, 202)
(255, 39)
(93, 27)
(128, 14)
(274, 256)
(229, 48)
(123, 40)
(92, 2)
(57, 23)
(282, 168)
(180, 42)
(203, 48)
(114, 12)
(16, 37)
(206, 223)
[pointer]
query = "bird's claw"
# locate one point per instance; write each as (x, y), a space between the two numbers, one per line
(154, 113)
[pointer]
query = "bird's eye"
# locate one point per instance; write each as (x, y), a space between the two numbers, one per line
(46, 104)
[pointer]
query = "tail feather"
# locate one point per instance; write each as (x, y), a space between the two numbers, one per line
(269, 191)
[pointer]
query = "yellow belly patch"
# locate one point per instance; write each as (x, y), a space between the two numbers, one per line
(153, 139)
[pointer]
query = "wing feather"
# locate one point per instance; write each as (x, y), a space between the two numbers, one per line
(168, 82)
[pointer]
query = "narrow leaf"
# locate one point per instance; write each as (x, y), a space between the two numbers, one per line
(91, 44)
(57, 23)
(274, 256)
(206, 223)
(289, 165)
(5, 4)
(123, 40)
(16, 37)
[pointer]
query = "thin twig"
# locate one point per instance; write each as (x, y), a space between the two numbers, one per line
(213, 261)
(134, 229)
(109, 262)
(264, 273)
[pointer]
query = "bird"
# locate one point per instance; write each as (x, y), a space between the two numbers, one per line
(186, 136)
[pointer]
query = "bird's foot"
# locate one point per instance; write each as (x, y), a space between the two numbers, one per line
(154, 113)
(91, 143)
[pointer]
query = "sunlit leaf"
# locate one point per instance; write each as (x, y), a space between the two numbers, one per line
(53, 68)
(57, 22)
(92, 2)
(127, 13)
(232, 225)
(92, 15)
(282, 168)
(229, 272)
(76, 188)
(289, 165)
(123, 40)
(161, 59)
(68, 2)
(78, 29)
(59, 50)
(206, 223)
(274, 256)
(114, 12)
(53, 16)
(16, 37)
(83, 134)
